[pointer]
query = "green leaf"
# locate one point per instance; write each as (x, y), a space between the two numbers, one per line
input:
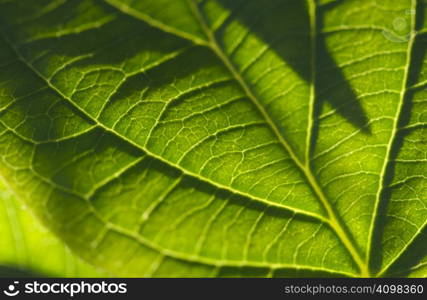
(25, 245)
(221, 138)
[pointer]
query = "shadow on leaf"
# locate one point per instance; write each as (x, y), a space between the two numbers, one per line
(418, 250)
(411, 260)
(17, 272)
(287, 32)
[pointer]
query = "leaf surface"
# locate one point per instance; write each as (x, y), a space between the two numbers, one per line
(24, 245)
(220, 138)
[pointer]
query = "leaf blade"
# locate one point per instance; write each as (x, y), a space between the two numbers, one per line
(206, 117)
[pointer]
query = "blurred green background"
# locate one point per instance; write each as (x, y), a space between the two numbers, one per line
(28, 249)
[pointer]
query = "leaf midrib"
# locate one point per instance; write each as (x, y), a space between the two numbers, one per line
(333, 220)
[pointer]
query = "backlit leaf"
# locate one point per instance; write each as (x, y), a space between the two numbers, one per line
(221, 137)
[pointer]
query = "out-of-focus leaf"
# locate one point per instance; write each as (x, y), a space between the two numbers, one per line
(28, 249)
